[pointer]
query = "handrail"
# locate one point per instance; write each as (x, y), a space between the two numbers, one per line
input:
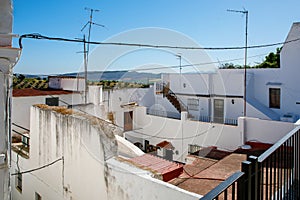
(277, 145)
(20, 127)
(223, 186)
(171, 92)
(20, 134)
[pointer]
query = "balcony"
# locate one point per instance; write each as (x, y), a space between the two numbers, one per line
(20, 140)
(272, 175)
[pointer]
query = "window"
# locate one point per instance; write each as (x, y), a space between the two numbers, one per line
(274, 97)
(18, 181)
(193, 104)
(38, 196)
(52, 101)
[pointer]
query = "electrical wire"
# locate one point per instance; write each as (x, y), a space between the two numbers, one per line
(38, 168)
(193, 65)
(42, 37)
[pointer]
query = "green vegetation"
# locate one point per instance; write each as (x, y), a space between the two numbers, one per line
(107, 84)
(272, 60)
(20, 82)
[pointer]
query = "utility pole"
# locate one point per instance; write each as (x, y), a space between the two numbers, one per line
(85, 70)
(87, 47)
(244, 12)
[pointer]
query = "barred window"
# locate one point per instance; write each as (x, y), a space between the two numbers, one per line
(18, 182)
(193, 104)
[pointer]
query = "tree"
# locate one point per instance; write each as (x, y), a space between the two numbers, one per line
(271, 61)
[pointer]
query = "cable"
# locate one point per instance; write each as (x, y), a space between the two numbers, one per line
(42, 37)
(35, 169)
(192, 65)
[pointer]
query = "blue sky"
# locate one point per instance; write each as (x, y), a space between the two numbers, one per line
(205, 21)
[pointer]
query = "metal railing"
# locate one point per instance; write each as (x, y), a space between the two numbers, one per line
(272, 175)
(228, 189)
(226, 121)
(24, 138)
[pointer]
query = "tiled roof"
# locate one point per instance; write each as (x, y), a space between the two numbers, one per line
(165, 144)
(167, 169)
(26, 92)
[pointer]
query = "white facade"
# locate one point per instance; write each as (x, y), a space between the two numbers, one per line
(67, 83)
(227, 85)
(183, 132)
(21, 105)
(8, 58)
(87, 166)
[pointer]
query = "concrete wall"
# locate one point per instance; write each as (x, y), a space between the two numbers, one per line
(21, 106)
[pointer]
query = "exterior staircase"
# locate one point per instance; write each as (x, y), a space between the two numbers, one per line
(173, 99)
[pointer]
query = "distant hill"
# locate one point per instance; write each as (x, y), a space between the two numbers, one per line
(126, 76)
(40, 81)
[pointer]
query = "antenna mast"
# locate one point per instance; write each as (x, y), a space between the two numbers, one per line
(87, 47)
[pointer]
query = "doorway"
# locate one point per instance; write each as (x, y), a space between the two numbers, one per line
(219, 111)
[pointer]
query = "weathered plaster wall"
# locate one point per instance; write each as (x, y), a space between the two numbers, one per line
(84, 142)
(130, 183)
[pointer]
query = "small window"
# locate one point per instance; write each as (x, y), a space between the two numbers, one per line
(52, 101)
(18, 181)
(274, 97)
(38, 196)
(193, 104)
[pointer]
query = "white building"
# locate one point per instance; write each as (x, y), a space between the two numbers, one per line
(272, 94)
(8, 58)
(67, 83)
(77, 156)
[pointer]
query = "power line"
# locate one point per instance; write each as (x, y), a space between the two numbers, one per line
(35, 169)
(195, 64)
(42, 37)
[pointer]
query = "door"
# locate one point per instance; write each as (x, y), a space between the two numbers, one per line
(219, 111)
(128, 118)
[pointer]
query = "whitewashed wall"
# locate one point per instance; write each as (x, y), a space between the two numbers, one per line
(266, 131)
(157, 129)
(89, 169)
(21, 106)
(127, 183)
(63, 83)
(84, 142)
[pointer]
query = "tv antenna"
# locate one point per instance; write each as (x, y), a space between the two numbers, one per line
(86, 47)
(90, 23)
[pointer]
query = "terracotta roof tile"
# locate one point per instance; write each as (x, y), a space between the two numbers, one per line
(26, 92)
(167, 169)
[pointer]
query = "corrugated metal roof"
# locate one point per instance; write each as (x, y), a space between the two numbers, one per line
(33, 92)
(167, 169)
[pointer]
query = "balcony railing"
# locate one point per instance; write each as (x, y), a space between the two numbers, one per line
(20, 140)
(272, 175)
